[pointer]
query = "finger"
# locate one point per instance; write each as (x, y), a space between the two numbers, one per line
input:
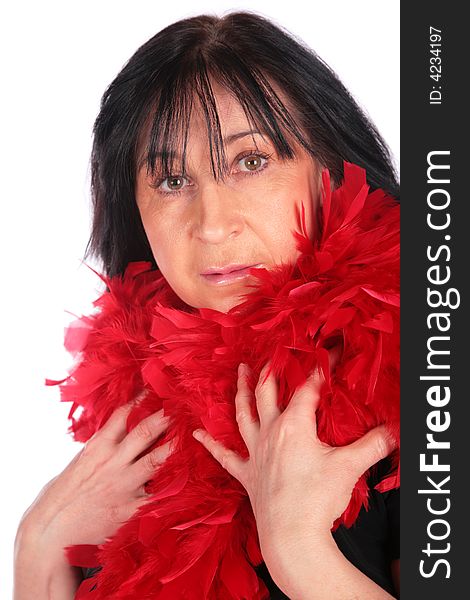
(247, 424)
(333, 357)
(143, 469)
(372, 447)
(305, 399)
(142, 436)
(266, 393)
(229, 460)
(115, 428)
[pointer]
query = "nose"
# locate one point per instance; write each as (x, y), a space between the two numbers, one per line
(217, 213)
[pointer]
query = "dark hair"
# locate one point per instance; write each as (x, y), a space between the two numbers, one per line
(155, 91)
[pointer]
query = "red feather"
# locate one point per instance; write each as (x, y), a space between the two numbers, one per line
(196, 538)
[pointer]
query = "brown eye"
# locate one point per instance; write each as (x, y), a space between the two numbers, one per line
(253, 162)
(171, 185)
(174, 183)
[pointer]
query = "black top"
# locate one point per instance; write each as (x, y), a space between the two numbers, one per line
(370, 544)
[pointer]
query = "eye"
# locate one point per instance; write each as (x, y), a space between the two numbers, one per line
(170, 185)
(253, 162)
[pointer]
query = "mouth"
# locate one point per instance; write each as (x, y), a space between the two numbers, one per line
(229, 275)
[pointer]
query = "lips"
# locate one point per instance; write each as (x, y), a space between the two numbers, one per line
(227, 269)
(232, 274)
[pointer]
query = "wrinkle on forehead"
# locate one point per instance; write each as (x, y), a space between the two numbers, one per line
(227, 116)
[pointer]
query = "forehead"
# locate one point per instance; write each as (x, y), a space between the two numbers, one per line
(231, 117)
(228, 109)
(212, 121)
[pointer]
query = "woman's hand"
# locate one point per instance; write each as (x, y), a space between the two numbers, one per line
(101, 487)
(297, 484)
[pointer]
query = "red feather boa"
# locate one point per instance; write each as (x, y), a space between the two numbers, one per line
(197, 537)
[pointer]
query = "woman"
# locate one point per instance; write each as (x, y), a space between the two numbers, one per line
(209, 143)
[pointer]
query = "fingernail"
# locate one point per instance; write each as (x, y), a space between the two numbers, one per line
(316, 375)
(197, 433)
(163, 417)
(242, 370)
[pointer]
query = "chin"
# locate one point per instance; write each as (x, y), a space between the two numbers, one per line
(223, 305)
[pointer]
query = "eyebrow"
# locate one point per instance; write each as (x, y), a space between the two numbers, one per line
(229, 139)
(235, 136)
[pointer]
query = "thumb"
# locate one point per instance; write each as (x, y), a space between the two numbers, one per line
(372, 447)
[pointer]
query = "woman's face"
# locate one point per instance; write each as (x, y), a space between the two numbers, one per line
(195, 223)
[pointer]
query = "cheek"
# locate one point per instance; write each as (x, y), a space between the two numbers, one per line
(280, 219)
(171, 254)
(160, 236)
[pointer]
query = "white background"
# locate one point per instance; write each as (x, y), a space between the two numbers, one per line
(56, 60)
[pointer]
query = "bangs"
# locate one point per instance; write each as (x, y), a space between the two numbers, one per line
(168, 118)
